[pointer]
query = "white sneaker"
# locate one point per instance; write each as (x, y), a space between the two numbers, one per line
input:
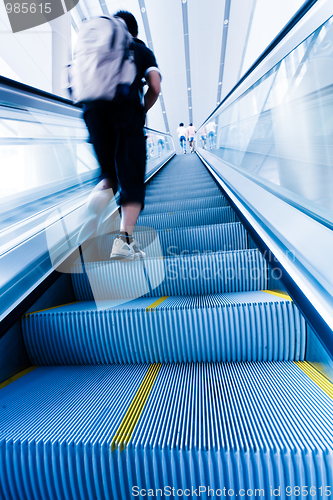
(120, 250)
(136, 250)
(123, 250)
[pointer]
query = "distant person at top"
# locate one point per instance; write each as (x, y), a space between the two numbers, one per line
(181, 132)
(116, 132)
(190, 136)
(210, 129)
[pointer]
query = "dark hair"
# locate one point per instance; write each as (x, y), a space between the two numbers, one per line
(181, 124)
(130, 21)
(191, 124)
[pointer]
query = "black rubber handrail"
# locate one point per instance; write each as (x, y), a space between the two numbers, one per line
(37, 92)
(47, 96)
(157, 131)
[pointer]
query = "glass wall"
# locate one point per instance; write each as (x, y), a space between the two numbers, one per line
(158, 144)
(45, 157)
(47, 170)
(281, 129)
(39, 150)
(44, 154)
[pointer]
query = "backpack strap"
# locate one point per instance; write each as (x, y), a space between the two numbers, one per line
(127, 50)
(125, 57)
(115, 31)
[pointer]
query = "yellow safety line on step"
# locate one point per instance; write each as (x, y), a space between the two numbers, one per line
(279, 293)
(316, 377)
(50, 308)
(125, 430)
(156, 303)
(17, 376)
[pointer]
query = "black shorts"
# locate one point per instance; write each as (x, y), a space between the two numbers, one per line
(119, 142)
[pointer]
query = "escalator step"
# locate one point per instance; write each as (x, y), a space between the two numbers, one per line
(239, 271)
(181, 241)
(248, 326)
(184, 205)
(54, 418)
(180, 194)
(198, 217)
(191, 179)
(181, 181)
(88, 432)
(195, 217)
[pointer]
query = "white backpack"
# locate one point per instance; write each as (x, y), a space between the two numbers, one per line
(103, 63)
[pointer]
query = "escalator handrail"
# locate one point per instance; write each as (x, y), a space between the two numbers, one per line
(17, 88)
(157, 131)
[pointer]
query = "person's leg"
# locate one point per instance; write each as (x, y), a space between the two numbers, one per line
(100, 196)
(130, 164)
(103, 140)
(101, 136)
(129, 216)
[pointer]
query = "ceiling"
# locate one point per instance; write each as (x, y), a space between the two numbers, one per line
(202, 47)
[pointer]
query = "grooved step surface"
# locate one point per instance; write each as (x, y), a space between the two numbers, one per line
(182, 241)
(199, 217)
(197, 184)
(240, 271)
(170, 220)
(184, 205)
(181, 194)
(251, 326)
(239, 426)
(198, 386)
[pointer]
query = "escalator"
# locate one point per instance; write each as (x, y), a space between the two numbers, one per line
(205, 368)
(183, 373)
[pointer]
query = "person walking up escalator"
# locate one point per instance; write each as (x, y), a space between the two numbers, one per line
(116, 132)
(181, 132)
(190, 136)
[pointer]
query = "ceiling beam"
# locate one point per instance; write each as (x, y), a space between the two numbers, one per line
(145, 21)
(248, 32)
(223, 48)
(76, 29)
(187, 58)
(104, 7)
(79, 10)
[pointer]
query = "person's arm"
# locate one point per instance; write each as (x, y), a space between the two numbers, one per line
(153, 80)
